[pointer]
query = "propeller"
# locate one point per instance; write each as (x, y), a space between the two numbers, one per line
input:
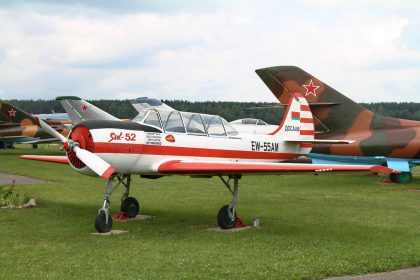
(94, 162)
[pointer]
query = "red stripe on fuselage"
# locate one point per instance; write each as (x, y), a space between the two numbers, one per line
(120, 148)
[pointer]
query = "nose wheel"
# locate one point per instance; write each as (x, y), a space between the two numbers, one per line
(103, 221)
(226, 217)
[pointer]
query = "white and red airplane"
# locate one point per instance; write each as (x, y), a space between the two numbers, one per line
(172, 142)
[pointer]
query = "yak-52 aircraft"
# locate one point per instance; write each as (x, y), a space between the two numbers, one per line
(378, 140)
(17, 126)
(173, 142)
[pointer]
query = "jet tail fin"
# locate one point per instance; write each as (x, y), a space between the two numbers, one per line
(330, 108)
(80, 110)
(12, 114)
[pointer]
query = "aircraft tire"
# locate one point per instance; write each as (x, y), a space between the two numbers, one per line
(131, 206)
(223, 218)
(403, 178)
(101, 225)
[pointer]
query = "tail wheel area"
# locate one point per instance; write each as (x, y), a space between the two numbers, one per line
(103, 222)
(226, 217)
(131, 206)
(403, 177)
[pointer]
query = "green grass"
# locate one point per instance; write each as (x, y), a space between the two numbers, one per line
(312, 227)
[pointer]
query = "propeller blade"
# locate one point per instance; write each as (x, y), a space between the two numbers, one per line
(51, 131)
(94, 162)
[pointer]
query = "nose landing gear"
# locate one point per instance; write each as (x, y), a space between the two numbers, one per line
(103, 221)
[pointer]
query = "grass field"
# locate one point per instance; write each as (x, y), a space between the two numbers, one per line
(312, 227)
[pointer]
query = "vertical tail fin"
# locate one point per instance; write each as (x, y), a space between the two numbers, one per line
(80, 110)
(12, 114)
(297, 122)
(330, 108)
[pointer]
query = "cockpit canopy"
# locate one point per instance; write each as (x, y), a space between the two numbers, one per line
(186, 122)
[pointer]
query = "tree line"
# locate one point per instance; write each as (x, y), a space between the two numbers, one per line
(269, 112)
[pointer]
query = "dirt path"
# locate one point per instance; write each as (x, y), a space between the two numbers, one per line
(403, 274)
(7, 179)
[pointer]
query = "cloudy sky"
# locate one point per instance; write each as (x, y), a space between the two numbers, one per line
(206, 50)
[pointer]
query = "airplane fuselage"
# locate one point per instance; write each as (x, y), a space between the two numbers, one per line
(27, 130)
(138, 149)
(392, 142)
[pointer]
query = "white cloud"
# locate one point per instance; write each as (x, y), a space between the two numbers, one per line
(206, 55)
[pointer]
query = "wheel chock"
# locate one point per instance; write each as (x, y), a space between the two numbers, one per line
(120, 216)
(239, 223)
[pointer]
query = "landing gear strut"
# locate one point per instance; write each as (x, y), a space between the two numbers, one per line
(403, 177)
(226, 217)
(103, 222)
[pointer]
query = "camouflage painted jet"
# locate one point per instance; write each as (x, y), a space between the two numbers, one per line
(17, 126)
(378, 140)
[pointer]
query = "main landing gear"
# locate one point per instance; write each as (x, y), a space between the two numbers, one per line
(130, 205)
(226, 217)
(403, 177)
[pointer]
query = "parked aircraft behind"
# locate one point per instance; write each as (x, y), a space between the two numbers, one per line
(17, 126)
(81, 110)
(142, 103)
(378, 140)
(169, 142)
(253, 126)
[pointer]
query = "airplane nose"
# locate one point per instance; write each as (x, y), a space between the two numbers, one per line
(82, 137)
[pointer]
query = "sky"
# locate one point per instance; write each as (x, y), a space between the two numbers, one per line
(206, 49)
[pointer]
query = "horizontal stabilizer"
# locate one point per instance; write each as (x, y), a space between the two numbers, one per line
(55, 159)
(320, 141)
(313, 104)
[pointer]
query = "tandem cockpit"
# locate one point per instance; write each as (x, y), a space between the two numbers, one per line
(172, 121)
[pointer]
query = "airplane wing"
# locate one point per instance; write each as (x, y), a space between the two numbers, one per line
(27, 140)
(223, 167)
(42, 141)
(220, 168)
(80, 110)
(54, 159)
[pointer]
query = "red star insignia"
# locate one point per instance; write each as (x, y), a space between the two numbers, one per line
(311, 88)
(84, 107)
(12, 113)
